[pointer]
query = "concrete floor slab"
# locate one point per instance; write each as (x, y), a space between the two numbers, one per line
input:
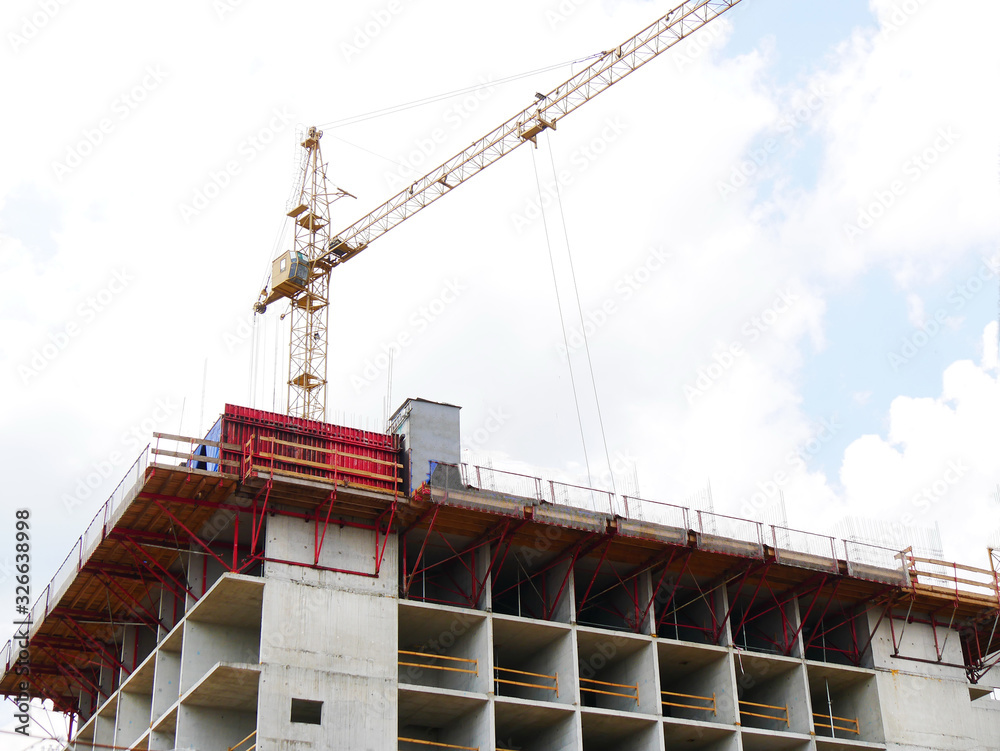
(233, 600)
(604, 728)
(434, 708)
(766, 740)
(528, 716)
(831, 744)
(227, 685)
(691, 734)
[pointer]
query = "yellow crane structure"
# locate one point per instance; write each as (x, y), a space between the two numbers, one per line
(302, 275)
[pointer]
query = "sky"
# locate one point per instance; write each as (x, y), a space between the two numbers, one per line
(780, 238)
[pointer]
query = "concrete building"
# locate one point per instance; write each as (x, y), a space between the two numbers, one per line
(286, 584)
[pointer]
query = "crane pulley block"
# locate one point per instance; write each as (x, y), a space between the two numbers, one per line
(343, 251)
(533, 127)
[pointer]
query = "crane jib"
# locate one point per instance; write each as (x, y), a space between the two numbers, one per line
(302, 275)
(611, 67)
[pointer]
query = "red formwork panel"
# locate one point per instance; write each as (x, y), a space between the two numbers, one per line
(362, 457)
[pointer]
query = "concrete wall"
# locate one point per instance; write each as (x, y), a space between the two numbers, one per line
(225, 727)
(430, 433)
(924, 706)
(133, 718)
(328, 637)
(166, 682)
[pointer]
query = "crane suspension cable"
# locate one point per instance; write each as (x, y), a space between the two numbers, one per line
(562, 320)
(448, 95)
(579, 308)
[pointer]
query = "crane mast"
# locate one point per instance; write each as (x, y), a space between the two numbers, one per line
(323, 251)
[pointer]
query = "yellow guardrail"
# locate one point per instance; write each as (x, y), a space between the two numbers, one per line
(634, 696)
(765, 716)
(248, 748)
(507, 681)
(437, 745)
(713, 709)
(439, 667)
(834, 719)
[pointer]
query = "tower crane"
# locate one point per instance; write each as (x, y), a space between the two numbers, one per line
(302, 274)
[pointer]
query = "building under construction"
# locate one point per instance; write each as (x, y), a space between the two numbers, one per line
(290, 584)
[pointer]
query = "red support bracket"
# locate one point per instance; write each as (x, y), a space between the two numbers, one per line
(720, 624)
(258, 524)
(318, 539)
(380, 551)
(673, 592)
(192, 536)
(151, 618)
(416, 564)
(112, 659)
(593, 579)
(69, 671)
(145, 561)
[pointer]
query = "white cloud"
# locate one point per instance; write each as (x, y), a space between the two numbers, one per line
(937, 462)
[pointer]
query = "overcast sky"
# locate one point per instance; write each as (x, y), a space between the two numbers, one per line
(784, 235)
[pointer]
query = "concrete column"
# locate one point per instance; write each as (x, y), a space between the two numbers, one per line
(133, 717)
(166, 682)
(328, 637)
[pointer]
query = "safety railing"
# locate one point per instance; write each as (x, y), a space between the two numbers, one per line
(657, 512)
(290, 453)
(875, 563)
(190, 456)
(785, 719)
(954, 577)
(579, 496)
(853, 726)
(730, 534)
(240, 747)
(805, 549)
(87, 542)
(673, 694)
(437, 744)
(446, 668)
(634, 695)
(497, 671)
(502, 481)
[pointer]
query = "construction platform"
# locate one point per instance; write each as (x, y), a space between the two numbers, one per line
(235, 584)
